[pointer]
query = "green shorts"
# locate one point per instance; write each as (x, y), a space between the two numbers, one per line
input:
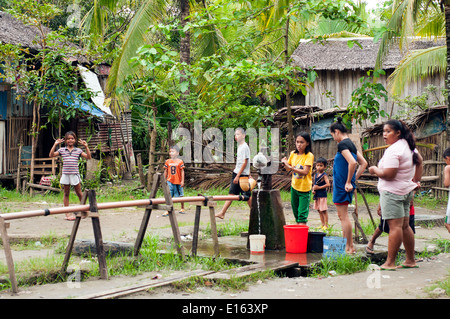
(395, 206)
(300, 205)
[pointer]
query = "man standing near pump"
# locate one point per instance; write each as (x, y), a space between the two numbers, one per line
(242, 170)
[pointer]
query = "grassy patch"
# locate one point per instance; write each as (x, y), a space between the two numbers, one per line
(226, 285)
(230, 228)
(36, 271)
(439, 288)
(339, 265)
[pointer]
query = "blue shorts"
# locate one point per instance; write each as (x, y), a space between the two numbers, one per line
(176, 190)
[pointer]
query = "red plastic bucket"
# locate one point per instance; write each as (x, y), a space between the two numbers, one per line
(296, 238)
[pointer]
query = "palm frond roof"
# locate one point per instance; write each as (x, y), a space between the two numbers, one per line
(15, 32)
(335, 54)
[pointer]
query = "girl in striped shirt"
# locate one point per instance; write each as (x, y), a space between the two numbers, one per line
(70, 172)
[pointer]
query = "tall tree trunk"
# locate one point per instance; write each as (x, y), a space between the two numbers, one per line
(34, 137)
(291, 143)
(185, 44)
(185, 54)
(152, 148)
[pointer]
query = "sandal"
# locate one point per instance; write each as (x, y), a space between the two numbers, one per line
(369, 250)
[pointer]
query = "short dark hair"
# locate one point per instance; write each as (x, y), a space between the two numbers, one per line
(447, 152)
(322, 160)
(175, 147)
(241, 130)
(71, 133)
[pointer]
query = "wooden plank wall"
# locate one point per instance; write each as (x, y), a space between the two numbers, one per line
(434, 161)
(17, 132)
(104, 140)
(341, 84)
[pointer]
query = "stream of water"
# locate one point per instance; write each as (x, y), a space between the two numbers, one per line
(259, 208)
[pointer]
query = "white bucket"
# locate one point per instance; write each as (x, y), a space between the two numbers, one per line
(257, 244)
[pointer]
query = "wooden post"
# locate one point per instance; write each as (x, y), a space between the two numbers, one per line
(158, 179)
(8, 255)
(198, 210)
(367, 205)
(208, 202)
(140, 169)
(93, 212)
(147, 214)
(172, 217)
(19, 164)
(357, 224)
(215, 237)
(76, 224)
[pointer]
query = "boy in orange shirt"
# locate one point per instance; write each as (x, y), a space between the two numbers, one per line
(174, 174)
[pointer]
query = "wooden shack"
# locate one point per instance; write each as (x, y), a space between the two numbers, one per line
(339, 68)
(315, 121)
(94, 122)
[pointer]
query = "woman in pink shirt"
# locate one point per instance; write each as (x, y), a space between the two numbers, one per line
(398, 172)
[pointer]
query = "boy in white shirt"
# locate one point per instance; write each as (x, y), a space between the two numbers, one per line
(242, 169)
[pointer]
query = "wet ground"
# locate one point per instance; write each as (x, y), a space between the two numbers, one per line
(122, 225)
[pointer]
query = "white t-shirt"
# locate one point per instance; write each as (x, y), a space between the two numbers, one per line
(399, 156)
(243, 153)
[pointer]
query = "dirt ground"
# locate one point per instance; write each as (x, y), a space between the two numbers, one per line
(122, 225)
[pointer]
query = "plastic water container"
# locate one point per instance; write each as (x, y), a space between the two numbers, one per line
(315, 242)
(334, 246)
(296, 238)
(257, 244)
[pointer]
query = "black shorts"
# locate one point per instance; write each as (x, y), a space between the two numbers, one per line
(235, 189)
(384, 227)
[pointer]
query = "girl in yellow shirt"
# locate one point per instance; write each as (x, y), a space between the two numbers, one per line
(300, 162)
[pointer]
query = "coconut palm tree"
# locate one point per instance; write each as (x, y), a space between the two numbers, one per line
(417, 64)
(406, 16)
(96, 21)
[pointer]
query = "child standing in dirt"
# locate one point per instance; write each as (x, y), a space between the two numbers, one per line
(70, 173)
(174, 174)
(447, 184)
(242, 169)
(384, 227)
(320, 184)
(300, 162)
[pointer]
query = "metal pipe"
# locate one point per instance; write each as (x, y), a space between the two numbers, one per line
(111, 205)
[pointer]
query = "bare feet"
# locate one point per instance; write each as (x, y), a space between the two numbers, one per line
(70, 217)
(220, 215)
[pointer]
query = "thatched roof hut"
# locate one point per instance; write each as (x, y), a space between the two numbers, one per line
(297, 111)
(335, 54)
(340, 67)
(422, 124)
(15, 32)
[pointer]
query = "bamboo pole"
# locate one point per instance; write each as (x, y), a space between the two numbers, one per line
(112, 205)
